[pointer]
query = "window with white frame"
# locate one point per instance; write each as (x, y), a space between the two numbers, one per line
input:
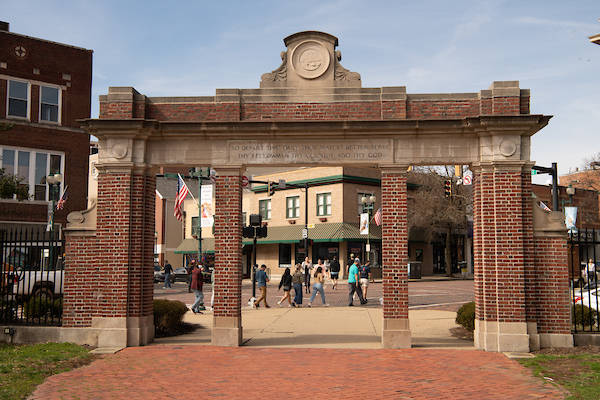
(18, 99)
(49, 103)
(293, 207)
(33, 166)
(264, 209)
(323, 204)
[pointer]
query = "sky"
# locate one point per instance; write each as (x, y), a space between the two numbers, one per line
(192, 48)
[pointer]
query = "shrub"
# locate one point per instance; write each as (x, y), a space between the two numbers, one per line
(42, 307)
(168, 314)
(584, 316)
(465, 316)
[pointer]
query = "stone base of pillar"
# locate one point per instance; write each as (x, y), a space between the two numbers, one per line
(549, 340)
(396, 334)
(501, 336)
(534, 337)
(226, 332)
(140, 330)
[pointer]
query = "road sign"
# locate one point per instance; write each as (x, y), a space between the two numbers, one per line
(304, 233)
(467, 179)
(213, 176)
(245, 181)
(281, 184)
(310, 226)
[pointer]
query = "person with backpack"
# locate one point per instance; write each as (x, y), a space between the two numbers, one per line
(334, 267)
(365, 278)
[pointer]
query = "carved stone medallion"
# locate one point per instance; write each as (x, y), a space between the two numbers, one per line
(310, 59)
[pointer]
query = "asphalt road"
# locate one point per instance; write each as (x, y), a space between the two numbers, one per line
(444, 295)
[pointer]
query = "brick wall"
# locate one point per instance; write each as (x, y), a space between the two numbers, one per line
(394, 245)
(552, 286)
(414, 108)
(111, 274)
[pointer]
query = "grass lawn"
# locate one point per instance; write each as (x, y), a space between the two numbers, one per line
(23, 367)
(577, 373)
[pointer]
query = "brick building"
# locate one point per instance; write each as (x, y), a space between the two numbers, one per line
(45, 88)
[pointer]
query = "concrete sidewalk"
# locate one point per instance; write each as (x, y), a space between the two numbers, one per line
(326, 327)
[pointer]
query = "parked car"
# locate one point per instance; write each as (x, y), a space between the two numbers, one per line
(588, 298)
(179, 275)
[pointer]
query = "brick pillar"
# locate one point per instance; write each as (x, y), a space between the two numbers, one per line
(396, 330)
(227, 319)
(549, 313)
(109, 281)
(500, 321)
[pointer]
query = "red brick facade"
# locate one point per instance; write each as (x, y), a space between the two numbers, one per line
(205, 110)
(40, 62)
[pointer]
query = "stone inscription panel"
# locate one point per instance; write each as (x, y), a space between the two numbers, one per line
(305, 152)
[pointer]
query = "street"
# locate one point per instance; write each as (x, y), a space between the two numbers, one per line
(443, 295)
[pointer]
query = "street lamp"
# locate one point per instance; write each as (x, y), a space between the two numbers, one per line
(53, 181)
(368, 205)
(570, 191)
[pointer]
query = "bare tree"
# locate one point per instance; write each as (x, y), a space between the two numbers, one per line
(430, 210)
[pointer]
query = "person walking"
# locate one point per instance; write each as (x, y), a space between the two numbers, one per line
(197, 283)
(365, 278)
(308, 267)
(353, 283)
(318, 287)
(297, 283)
(334, 268)
(262, 279)
(286, 283)
(168, 272)
(349, 263)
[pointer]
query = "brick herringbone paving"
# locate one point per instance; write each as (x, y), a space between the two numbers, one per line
(204, 372)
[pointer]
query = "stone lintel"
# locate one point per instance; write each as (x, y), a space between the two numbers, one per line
(548, 223)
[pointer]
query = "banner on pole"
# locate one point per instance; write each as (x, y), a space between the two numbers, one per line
(364, 224)
(206, 206)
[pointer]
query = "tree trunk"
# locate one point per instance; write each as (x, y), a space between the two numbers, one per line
(448, 251)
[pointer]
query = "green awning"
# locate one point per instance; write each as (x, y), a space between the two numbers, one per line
(190, 246)
(332, 232)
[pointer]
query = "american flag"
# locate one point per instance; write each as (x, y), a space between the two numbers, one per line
(61, 203)
(182, 192)
(377, 217)
(544, 206)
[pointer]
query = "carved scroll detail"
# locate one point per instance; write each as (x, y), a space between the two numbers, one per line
(280, 74)
(341, 73)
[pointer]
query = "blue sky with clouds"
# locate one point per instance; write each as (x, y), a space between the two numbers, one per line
(192, 48)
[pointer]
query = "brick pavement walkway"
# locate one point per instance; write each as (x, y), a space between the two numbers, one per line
(203, 372)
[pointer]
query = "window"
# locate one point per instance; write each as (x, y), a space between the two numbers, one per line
(264, 209)
(323, 204)
(18, 99)
(285, 255)
(49, 104)
(194, 226)
(293, 207)
(244, 219)
(33, 166)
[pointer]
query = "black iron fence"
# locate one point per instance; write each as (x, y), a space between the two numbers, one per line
(583, 272)
(31, 276)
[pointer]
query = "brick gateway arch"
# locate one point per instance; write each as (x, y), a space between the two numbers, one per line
(312, 111)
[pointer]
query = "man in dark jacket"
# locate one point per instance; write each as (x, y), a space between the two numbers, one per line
(334, 267)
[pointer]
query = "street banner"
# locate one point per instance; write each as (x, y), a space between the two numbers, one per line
(206, 207)
(364, 224)
(571, 218)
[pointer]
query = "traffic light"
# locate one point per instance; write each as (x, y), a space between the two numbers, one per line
(271, 188)
(261, 231)
(448, 188)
